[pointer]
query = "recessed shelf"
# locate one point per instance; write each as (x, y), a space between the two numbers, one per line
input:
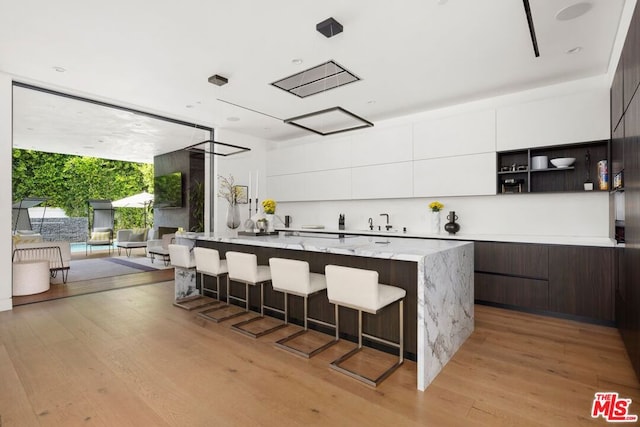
(551, 179)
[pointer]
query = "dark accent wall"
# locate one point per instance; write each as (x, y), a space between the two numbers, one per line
(191, 165)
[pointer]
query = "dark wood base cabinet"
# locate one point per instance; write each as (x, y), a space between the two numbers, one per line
(571, 281)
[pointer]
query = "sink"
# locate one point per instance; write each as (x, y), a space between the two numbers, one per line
(380, 231)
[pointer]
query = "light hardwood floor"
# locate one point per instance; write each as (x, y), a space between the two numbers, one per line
(128, 357)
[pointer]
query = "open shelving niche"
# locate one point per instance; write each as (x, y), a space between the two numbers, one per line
(551, 179)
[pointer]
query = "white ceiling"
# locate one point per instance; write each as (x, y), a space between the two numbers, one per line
(156, 56)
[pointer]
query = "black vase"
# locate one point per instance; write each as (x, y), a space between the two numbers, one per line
(452, 227)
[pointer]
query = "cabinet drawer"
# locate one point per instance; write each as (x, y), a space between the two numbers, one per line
(526, 293)
(513, 259)
(581, 281)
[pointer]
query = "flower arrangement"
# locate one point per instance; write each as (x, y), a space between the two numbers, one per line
(269, 206)
(436, 206)
(228, 190)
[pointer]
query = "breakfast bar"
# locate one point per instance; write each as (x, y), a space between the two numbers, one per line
(437, 275)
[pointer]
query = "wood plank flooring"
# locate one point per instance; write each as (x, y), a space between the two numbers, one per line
(129, 357)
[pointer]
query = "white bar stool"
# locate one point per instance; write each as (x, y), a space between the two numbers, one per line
(244, 268)
(182, 257)
(359, 289)
(208, 263)
(293, 277)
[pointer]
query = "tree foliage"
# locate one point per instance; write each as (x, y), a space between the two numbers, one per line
(69, 181)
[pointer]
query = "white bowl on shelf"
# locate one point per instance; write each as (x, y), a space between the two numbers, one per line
(563, 162)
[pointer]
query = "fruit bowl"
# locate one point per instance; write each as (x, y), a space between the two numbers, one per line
(563, 162)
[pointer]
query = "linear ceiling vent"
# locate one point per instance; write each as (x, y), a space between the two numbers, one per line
(320, 78)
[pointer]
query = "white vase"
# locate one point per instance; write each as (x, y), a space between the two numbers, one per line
(233, 216)
(435, 222)
(270, 222)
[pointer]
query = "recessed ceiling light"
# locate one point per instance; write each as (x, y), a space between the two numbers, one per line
(29, 128)
(297, 61)
(89, 147)
(574, 11)
(574, 50)
(233, 119)
(441, 2)
(189, 105)
(373, 101)
(100, 140)
(59, 69)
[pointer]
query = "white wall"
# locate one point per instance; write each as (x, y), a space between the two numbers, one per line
(239, 165)
(400, 165)
(560, 214)
(5, 191)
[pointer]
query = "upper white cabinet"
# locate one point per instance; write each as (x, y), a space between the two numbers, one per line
(377, 146)
(321, 185)
(458, 135)
(324, 154)
(567, 119)
(382, 181)
(472, 175)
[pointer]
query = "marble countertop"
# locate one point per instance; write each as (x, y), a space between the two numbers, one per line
(387, 247)
(552, 240)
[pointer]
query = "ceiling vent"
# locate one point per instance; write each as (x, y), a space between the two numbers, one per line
(320, 78)
(329, 27)
(218, 80)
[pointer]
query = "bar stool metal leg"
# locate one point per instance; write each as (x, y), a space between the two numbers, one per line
(283, 343)
(240, 327)
(208, 314)
(400, 345)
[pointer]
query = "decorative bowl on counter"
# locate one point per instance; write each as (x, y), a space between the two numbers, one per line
(563, 162)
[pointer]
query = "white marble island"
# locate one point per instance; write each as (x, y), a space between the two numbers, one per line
(444, 282)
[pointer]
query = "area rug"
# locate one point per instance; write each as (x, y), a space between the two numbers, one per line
(97, 268)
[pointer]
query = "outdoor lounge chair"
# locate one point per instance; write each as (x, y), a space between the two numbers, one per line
(101, 224)
(161, 247)
(129, 239)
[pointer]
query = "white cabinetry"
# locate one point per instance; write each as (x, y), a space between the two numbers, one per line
(382, 181)
(455, 176)
(321, 185)
(458, 135)
(378, 146)
(567, 119)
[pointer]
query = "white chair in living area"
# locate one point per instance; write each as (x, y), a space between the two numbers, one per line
(182, 257)
(292, 277)
(359, 289)
(244, 268)
(208, 263)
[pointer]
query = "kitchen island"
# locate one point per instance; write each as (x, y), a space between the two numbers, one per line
(437, 275)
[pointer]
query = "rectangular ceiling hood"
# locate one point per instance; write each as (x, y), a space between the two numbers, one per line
(317, 79)
(329, 121)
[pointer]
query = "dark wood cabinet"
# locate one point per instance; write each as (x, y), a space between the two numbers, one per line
(514, 291)
(575, 281)
(510, 179)
(581, 281)
(617, 96)
(617, 149)
(512, 259)
(631, 59)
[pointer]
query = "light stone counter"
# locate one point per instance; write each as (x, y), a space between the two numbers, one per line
(445, 284)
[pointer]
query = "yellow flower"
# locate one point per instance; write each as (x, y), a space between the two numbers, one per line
(269, 206)
(436, 206)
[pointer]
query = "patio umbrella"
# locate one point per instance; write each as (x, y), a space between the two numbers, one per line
(141, 200)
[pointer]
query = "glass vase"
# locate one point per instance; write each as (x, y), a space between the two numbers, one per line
(233, 216)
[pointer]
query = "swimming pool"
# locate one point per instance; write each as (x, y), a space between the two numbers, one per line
(82, 247)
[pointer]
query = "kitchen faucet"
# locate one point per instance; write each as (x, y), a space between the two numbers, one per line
(388, 226)
(370, 223)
